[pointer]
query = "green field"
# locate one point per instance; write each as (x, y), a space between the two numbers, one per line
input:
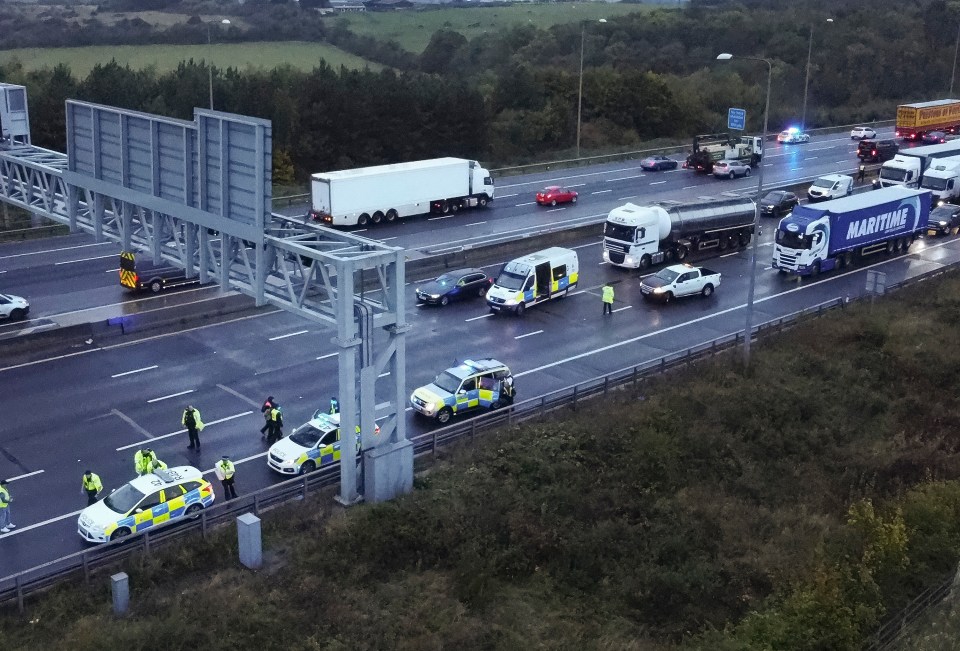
(413, 29)
(166, 57)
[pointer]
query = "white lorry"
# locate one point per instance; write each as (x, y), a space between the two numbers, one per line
(533, 279)
(942, 178)
(636, 237)
(679, 280)
(371, 195)
(908, 165)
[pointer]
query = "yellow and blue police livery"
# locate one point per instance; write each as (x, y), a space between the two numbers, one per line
(146, 502)
(480, 384)
(313, 445)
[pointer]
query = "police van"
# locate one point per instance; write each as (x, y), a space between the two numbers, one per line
(141, 274)
(472, 385)
(533, 279)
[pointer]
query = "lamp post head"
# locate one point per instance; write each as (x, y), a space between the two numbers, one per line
(725, 56)
(225, 22)
(603, 20)
(829, 20)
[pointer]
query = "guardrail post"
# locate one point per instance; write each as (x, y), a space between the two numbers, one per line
(606, 384)
(434, 450)
(663, 364)
(636, 375)
(543, 406)
(249, 541)
(146, 543)
(203, 524)
(120, 587)
(473, 430)
(256, 504)
(575, 386)
(19, 581)
(305, 486)
(86, 568)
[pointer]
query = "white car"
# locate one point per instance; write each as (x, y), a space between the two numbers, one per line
(792, 135)
(728, 169)
(862, 133)
(313, 445)
(148, 501)
(13, 307)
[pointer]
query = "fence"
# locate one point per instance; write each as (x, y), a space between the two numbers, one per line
(889, 633)
(22, 584)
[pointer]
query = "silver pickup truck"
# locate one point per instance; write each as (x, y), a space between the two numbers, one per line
(679, 280)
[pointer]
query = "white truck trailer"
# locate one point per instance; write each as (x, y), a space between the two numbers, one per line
(371, 195)
(908, 165)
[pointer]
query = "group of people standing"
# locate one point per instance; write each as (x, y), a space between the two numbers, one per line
(272, 429)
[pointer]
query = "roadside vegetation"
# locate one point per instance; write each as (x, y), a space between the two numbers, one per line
(793, 507)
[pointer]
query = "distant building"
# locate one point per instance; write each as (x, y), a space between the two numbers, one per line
(387, 5)
(345, 6)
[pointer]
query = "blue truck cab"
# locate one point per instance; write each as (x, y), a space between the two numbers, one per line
(834, 233)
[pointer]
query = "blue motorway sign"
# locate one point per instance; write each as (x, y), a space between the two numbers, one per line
(737, 119)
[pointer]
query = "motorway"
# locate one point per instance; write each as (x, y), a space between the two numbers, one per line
(93, 410)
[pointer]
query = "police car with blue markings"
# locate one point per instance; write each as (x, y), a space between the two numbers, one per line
(146, 502)
(472, 385)
(313, 445)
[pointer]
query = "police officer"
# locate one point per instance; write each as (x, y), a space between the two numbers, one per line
(334, 406)
(191, 420)
(863, 171)
(5, 519)
(275, 433)
(608, 299)
(225, 471)
(265, 409)
(143, 461)
(91, 486)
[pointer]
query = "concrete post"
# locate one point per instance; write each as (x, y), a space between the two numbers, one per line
(250, 542)
(120, 586)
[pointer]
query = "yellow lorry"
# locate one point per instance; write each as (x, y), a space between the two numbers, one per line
(914, 120)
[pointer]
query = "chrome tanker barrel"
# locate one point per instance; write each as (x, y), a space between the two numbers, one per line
(710, 216)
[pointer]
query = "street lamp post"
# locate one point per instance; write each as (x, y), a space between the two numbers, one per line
(583, 29)
(806, 82)
(748, 329)
(953, 73)
(210, 62)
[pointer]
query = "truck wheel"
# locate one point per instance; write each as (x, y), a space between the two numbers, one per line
(680, 252)
(847, 259)
(816, 269)
(444, 208)
(520, 309)
(744, 239)
(391, 215)
(482, 202)
(156, 285)
(707, 290)
(363, 219)
(377, 217)
(746, 173)
(443, 416)
(454, 206)
(723, 243)
(644, 262)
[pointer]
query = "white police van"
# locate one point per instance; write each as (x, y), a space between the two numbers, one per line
(533, 279)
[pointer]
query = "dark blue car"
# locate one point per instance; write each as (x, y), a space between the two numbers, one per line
(455, 285)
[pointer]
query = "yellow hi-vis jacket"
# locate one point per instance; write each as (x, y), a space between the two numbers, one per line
(92, 483)
(607, 294)
(4, 498)
(224, 469)
(196, 418)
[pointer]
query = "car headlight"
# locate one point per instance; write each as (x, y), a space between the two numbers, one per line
(510, 301)
(943, 223)
(628, 260)
(659, 290)
(434, 295)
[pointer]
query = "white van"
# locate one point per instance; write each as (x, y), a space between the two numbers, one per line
(533, 279)
(831, 186)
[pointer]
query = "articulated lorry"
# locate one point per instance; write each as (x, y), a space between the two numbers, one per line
(636, 237)
(942, 178)
(907, 167)
(708, 149)
(835, 233)
(371, 195)
(914, 120)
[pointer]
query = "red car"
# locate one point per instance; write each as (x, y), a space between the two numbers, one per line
(554, 194)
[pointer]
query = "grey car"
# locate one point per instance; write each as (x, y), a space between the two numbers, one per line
(730, 168)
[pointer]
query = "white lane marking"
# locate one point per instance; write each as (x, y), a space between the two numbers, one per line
(529, 334)
(624, 178)
(504, 196)
(382, 405)
(556, 209)
(328, 356)
(100, 257)
(485, 316)
(767, 268)
(291, 334)
(433, 219)
(632, 196)
(621, 309)
(65, 248)
(172, 395)
(547, 182)
(576, 185)
(387, 239)
(529, 203)
(765, 244)
(794, 169)
(689, 187)
(183, 431)
(161, 297)
(475, 223)
(601, 191)
(132, 423)
(672, 171)
(384, 374)
(727, 255)
(136, 370)
(604, 262)
(657, 182)
(581, 291)
(583, 246)
(249, 401)
(359, 230)
(29, 474)
(3, 272)
(811, 157)
(768, 165)
(37, 525)
(49, 359)
(108, 271)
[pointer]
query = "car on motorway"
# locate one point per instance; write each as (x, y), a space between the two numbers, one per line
(943, 219)
(679, 280)
(554, 194)
(313, 445)
(778, 203)
(877, 151)
(730, 168)
(13, 307)
(792, 135)
(151, 500)
(454, 286)
(470, 386)
(862, 133)
(657, 163)
(934, 137)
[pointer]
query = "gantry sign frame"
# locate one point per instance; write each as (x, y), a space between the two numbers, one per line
(197, 195)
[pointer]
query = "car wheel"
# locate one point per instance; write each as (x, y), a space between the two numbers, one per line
(307, 466)
(444, 300)
(16, 314)
(482, 292)
(553, 202)
(520, 309)
(746, 172)
(193, 511)
(732, 176)
(496, 404)
(707, 290)
(444, 415)
(122, 532)
(668, 297)
(156, 286)
(574, 200)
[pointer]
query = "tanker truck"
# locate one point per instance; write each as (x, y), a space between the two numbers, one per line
(639, 236)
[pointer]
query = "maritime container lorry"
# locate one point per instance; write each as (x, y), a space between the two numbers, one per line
(914, 120)
(637, 237)
(384, 193)
(833, 234)
(908, 165)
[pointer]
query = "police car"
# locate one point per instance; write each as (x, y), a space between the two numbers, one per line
(313, 445)
(480, 384)
(146, 502)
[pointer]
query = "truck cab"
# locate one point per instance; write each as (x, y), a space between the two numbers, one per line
(943, 180)
(900, 170)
